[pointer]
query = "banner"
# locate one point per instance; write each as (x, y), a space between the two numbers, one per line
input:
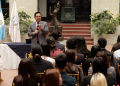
(14, 30)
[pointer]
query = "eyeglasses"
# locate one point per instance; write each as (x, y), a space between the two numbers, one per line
(37, 16)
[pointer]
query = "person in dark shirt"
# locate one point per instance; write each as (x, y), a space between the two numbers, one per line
(27, 75)
(55, 34)
(61, 63)
(99, 65)
(40, 64)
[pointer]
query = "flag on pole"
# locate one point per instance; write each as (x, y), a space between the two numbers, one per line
(2, 25)
(14, 30)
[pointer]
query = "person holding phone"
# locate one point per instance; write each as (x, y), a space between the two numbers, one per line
(38, 30)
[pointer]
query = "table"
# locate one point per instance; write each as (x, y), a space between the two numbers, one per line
(20, 48)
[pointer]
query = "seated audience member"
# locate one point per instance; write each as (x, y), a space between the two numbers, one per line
(55, 34)
(94, 51)
(53, 50)
(72, 67)
(52, 77)
(118, 72)
(39, 63)
(109, 68)
(115, 47)
(102, 42)
(99, 65)
(46, 53)
(81, 46)
(118, 39)
(71, 44)
(98, 79)
(61, 63)
(117, 55)
(27, 75)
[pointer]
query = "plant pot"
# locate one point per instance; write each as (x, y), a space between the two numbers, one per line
(111, 38)
(23, 37)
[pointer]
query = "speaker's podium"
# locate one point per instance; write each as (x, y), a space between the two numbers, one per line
(68, 12)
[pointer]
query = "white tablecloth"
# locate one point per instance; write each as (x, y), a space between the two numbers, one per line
(10, 59)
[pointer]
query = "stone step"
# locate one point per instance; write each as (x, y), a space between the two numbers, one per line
(76, 31)
(74, 25)
(76, 28)
(86, 38)
(72, 35)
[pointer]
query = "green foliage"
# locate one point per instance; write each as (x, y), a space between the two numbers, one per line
(7, 20)
(103, 23)
(118, 18)
(24, 22)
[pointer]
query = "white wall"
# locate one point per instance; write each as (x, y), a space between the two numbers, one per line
(29, 6)
(43, 7)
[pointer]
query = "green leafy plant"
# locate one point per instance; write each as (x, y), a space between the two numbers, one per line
(24, 22)
(103, 23)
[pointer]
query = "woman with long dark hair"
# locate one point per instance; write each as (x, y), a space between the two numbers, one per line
(27, 75)
(109, 67)
(52, 77)
(53, 50)
(46, 53)
(72, 67)
(81, 46)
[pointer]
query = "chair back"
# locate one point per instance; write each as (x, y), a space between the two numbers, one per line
(41, 75)
(38, 84)
(13, 84)
(89, 74)
(86, 58)
(76, 76)
(80, 65)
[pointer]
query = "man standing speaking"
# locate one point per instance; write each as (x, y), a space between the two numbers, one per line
(38, 30)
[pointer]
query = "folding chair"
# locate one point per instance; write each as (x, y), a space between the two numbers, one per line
(80, 65)
(76, 76)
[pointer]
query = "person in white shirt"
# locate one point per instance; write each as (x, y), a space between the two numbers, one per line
(46, 53)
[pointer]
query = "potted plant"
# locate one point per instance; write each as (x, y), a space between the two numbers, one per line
(104, 25)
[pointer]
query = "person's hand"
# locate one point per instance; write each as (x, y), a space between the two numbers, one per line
(40, 27)
(36, 32)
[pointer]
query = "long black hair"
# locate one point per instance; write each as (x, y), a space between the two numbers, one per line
(81, 45)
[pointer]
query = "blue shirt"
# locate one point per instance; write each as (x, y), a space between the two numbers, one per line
(67, 80)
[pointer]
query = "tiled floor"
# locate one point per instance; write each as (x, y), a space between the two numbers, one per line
(8, 75)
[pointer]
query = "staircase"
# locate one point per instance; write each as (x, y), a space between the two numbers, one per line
(73, 29)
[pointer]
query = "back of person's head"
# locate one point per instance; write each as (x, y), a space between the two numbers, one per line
(61, 60)
(71, 55)
(46, 49)
(71, 43)
(55, 34)
(118, 39)
(26, 67)
(36, 51)
(94, 50)
(104, 56)
(81, 45)
(99, 65)
(102, 42)
(51, 42)
(98, 79)
(52, 77)
(116, 46)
